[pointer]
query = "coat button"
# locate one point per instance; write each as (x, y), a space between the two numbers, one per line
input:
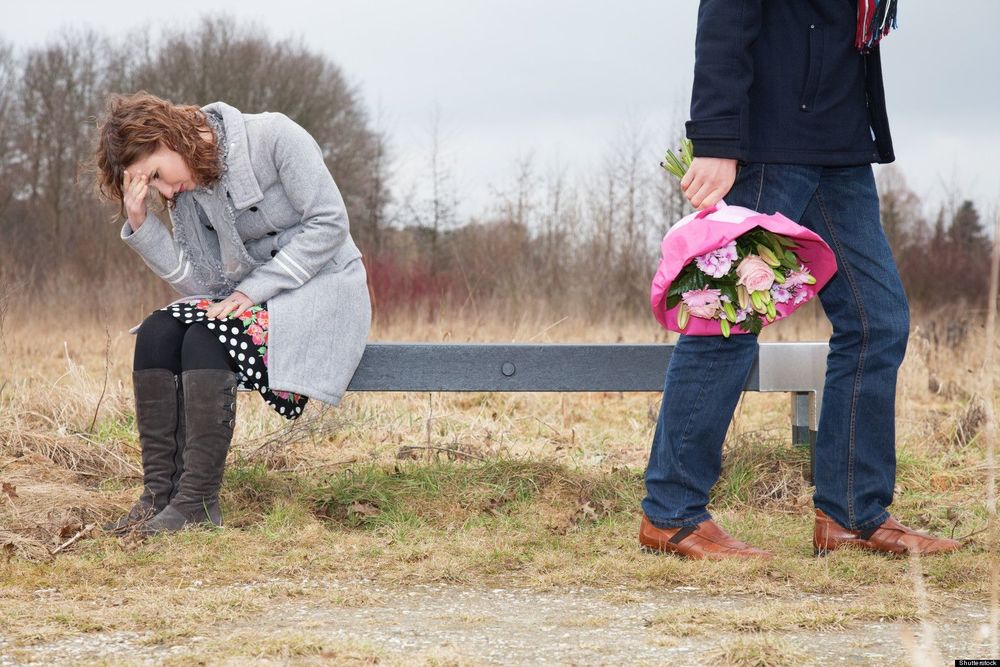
(273, 253)
(253, 208)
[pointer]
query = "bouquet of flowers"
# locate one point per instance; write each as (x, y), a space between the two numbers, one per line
(728, 269)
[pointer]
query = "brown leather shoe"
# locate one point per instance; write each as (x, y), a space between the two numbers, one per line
(891, 537)
(704, 541)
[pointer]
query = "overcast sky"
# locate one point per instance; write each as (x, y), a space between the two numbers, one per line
(563, 79)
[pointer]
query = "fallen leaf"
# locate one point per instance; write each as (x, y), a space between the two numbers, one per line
(69, 529)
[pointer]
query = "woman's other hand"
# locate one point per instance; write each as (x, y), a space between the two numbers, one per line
(708, 180)
(234, 304)
(134, 191)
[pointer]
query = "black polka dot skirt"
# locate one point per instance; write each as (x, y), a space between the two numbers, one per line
(245, 339)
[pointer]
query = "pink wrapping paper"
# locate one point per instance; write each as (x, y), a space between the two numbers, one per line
(713, 228)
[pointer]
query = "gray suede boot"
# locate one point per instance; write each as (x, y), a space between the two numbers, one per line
(158, 412)
(209, 418)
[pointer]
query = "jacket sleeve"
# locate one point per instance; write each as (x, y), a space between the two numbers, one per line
(158, 249)
(723, 72)
(312, 192)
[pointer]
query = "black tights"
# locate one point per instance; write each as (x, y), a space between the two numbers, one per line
(165, 342)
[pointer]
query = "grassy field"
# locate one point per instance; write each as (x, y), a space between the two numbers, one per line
(476, 490)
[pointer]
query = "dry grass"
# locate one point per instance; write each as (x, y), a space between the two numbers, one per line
(528, 490)
(764, 651)
(799, 615)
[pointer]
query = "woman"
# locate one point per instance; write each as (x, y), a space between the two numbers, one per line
(276, 296)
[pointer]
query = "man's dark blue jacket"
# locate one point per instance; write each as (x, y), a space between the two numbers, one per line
(781, 81)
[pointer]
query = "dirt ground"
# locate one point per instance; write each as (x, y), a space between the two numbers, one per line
(445, 624)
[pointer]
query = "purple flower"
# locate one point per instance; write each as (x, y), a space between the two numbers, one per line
(800, 277)
(741, 314)
(801, 294)
(704, 303)
(718, 262)
(781, 293)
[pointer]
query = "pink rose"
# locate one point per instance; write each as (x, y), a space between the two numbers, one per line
(263, 319)
(704, 303)
(257, 334)
(754, 274)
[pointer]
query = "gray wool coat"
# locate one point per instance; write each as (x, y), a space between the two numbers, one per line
(278, 233)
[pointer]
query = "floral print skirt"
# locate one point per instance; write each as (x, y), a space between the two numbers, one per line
(245, 339)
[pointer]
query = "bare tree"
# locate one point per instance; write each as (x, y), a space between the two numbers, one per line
(59, 92)
(377, 195)
(633, 265)
(440, 210)
(899, 209)
(557, 241)
(8, 125)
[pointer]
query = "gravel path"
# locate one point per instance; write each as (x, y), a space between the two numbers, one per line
(515, 626)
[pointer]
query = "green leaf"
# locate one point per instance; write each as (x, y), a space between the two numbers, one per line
(752, 324)
(690, 278)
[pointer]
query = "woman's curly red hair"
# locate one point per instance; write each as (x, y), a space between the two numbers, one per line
(136, 125)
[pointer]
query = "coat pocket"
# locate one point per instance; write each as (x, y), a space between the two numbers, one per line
(814, 68)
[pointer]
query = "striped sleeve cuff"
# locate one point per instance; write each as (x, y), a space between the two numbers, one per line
(291, 267)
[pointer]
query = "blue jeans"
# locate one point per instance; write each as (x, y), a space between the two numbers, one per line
(855, 456)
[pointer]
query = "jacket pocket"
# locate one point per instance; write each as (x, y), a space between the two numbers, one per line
(814, 68)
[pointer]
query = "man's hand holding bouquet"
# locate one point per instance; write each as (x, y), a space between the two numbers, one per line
(728, 269)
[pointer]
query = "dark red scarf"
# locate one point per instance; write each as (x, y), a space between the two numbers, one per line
(875, 19)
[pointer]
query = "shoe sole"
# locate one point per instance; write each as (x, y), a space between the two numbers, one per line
(820, 552)
(653, 551)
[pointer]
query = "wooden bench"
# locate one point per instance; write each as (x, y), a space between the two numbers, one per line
(796, 368)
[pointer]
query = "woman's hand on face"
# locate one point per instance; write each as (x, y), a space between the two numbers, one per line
(234, 304)
(708, 180)
(134, 191)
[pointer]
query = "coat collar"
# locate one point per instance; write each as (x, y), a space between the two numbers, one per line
(241, 182)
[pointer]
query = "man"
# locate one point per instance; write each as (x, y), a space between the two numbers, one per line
(787, 115)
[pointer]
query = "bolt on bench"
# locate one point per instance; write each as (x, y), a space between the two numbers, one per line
(796, 368)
